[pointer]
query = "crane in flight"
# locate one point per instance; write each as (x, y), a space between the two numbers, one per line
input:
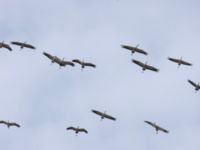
(134, 49)
(156, 127)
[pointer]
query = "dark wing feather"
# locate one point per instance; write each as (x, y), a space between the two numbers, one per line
(141, 51)
(186, 63)
(3, 122)
(138, 63)
(109, 117)
(150, 123)
(71, 128)
(89, 64)
(6, 46)
(29, 46)
(48, 55)
(17, 43)
(128, 47)
(83, 130)
(152, 68)
(14, 124)
(162, 129)
(191, 82)
(97, 112)
(77, 61)
(173, 59)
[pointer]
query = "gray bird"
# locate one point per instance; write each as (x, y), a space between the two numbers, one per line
(179, 61)
(156, 127)
(23, 44)
(134, 49)
(145, 66)
(60, 62)
(9, 124)
(77, 130)
(103, 115)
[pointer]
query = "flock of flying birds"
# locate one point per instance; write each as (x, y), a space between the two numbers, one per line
(62, 63)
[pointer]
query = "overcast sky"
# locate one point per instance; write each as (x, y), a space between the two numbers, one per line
(45, 100)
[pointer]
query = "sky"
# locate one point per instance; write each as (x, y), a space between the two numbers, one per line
(45, 99)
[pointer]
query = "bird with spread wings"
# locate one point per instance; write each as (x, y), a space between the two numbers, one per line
(103, 115)
(77, 130)
(145, 66)
(9, 124)
(156, 127)
(23, 44)
(134, 49)
(180, 61)
(60, 62)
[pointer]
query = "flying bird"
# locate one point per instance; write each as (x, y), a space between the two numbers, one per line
(145, 66)
(179, 61)
(23, 44)
(84, 64)
(77, 130)
(9, 123)
(196, 85)
(4, 45)
(103, 115)
(57, 60)
(156, 127)
(134, 49)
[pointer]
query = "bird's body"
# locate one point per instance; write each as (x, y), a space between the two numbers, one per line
(145, 66)
(156, 127)
(196, 85)
(179, 61)
(77, 130)
(84, 64)
(60, 62)
(134, 49)
(103, 115)
(23, 44)
(9, 124)
(4, 45)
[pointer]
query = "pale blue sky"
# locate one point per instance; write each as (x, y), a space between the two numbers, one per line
(45, 100)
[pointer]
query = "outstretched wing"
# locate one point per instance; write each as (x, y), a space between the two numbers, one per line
(128, 47)
(97, 112)
(6, 46)
(109, 117)
(83, 130)
(141, 51)
(48, 55)
(161, 129)
(14, 124)
(71, 128)
(186, 63)
(138, 63)
(17, 43)
(2, 122)
(191, 82)
(152, 68)
(77, 61)
(173, 59)
(29, 46)
(89, 64)
(150, 123)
